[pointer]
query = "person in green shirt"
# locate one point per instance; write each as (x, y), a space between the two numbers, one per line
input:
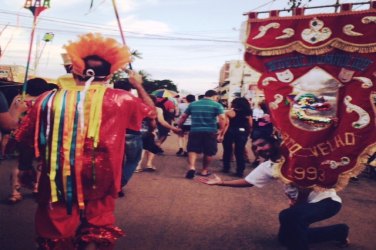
(207, 129)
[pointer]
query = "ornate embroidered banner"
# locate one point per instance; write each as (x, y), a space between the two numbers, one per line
(319, 77)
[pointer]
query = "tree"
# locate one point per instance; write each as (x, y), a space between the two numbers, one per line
(151, 85)
(145, 75)
(135, 54)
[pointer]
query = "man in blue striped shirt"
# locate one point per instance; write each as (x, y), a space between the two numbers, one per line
(208, 122)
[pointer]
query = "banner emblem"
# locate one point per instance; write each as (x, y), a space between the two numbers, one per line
(314, 99)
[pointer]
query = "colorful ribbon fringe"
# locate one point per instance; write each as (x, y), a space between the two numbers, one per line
(60, 134)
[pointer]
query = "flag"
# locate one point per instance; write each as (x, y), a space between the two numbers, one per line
(318, 73)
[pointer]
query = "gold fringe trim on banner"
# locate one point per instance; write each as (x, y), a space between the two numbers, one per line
(343, 179)
(319, 50)
(360, 165)
(277, 166)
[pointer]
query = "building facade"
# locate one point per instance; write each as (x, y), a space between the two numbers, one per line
(237, 79)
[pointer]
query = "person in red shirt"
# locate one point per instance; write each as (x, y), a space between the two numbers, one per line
(133, 135)
(79, 133)
(169, 110)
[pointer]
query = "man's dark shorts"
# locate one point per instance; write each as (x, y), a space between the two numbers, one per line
(162, 131)
(202, 142)
(186, 128)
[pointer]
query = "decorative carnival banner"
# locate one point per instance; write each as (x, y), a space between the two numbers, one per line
(319, 76)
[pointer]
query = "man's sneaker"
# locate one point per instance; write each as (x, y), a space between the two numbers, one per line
(121, 193)
(161, 152)
(343, 233)
(150, 169)
(225, 170)
(238, 174)
(185, 154)
(180, 152)
(354, 179)
(15, 197)
(344, 244)
(190, 174)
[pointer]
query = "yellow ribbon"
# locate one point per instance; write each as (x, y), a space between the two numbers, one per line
(69, 114)
(54, 145)
(95, 117)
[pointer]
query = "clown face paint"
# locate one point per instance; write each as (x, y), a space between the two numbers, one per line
(285, 76)
(345, 75)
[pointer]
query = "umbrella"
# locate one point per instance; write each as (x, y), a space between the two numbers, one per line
(164, 93)
(173, 100)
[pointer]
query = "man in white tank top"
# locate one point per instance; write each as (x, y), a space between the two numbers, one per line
(306, 205)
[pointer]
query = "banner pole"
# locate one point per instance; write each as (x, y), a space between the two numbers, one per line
(29, 57)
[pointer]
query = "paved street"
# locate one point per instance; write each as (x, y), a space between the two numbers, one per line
(163, 210)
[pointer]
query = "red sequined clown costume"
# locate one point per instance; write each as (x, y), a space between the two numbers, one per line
(79, 133)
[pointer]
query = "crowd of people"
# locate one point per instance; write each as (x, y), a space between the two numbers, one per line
(88, 140)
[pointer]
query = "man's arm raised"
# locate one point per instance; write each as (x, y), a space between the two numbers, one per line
(136, 81)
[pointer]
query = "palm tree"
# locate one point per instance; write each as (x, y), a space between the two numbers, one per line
(145, 75)
(135, 54)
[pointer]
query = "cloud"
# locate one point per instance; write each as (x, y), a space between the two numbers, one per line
(10, 43)
(128, 6)
(190, 71)
(133, 24)
(13, 4)
(192, 79)
(132, 5)
(196, 86)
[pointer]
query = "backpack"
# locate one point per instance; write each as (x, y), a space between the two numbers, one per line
(167, 115)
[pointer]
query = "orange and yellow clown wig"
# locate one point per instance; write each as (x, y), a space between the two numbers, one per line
(90, 44)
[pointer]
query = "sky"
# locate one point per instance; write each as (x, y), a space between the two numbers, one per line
(185, 41)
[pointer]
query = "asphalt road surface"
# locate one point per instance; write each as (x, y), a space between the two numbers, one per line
(164, 211)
